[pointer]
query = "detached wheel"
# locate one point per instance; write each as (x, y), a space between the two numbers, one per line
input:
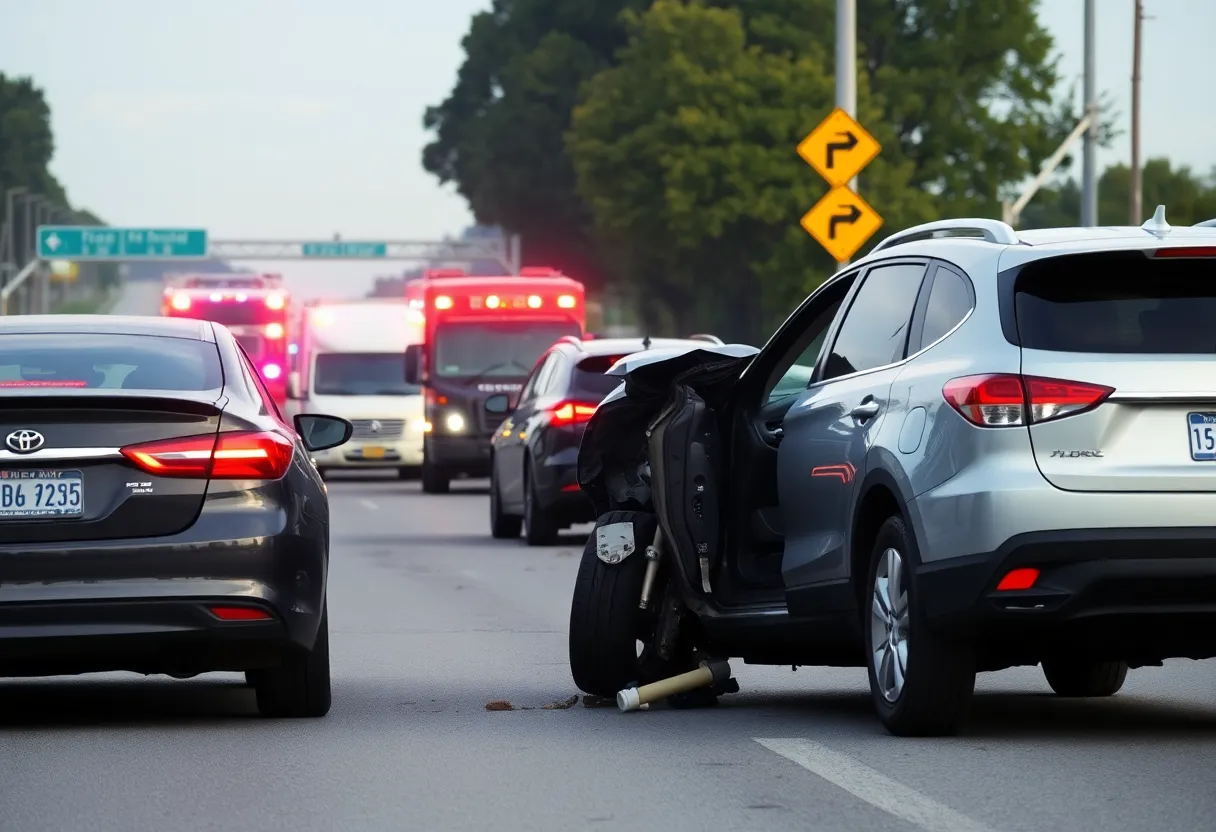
(605, 622)
(502, 526)
(434, 479)
(921, 683)
(539, 526)
(1081, 678)
(299, 688)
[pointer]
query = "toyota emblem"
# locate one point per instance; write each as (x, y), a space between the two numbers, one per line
(24, 441)
(376, 426)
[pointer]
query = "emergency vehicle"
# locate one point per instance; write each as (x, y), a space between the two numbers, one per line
(254, 307)
(482, 336)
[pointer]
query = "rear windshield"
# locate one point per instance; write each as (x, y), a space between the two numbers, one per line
(88, 360)
(589, 379)
(1118, 304)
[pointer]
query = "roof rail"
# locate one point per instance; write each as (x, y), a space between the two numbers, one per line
(703, 336)
(993, 231)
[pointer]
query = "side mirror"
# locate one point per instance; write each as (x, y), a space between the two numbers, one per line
(498, 403)
(321, 433)
(293, 385)
(413, 364)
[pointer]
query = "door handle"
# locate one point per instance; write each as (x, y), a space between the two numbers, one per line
(866, 410)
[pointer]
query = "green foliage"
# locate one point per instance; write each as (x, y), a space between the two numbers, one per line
(498, 135)
(26, 142)
(1187, 197)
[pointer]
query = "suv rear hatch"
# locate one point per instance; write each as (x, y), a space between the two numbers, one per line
(69, 404)
(1133, 335)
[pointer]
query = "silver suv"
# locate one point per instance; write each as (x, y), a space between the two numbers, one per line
(973, 449)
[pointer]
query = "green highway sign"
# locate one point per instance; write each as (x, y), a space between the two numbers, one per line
(346, 251)
(84, 242)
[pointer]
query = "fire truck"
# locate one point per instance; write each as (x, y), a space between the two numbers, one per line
(255, 308)
(482, 336)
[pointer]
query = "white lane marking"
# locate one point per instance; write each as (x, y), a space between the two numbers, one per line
(369, 504)
(874, 788)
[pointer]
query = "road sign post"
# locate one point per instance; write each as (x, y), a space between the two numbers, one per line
(838, 149)
(90, 242)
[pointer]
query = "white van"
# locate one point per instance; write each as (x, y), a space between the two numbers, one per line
(350, 362)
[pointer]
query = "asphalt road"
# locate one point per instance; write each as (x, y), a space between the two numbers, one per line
(432, 619)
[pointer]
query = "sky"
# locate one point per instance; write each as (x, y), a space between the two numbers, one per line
(299, 119)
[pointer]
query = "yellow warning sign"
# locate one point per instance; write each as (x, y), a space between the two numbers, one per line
(841, 222)
(839, 148)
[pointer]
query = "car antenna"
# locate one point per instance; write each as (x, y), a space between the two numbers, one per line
(646, 342)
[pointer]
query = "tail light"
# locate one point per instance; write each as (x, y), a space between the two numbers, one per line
(994, 401)
(1018, 579)
(1186, 251)
(239, 614)
(570, 413)
(181, 302)
(228, 456)
(274, 331)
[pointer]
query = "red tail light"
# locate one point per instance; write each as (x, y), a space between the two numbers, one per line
(1186, 251)
(240, 614)
(570, 413)
(233, 456)
(1016, 579)
(993, 401)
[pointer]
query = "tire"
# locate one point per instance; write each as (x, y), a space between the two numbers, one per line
(605, 622)
(539, 526)
(502, 526)
(299, 687)
(1084, 678)
(434, 480)
(939, 675)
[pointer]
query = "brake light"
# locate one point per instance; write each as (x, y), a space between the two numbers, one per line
(1023, 578)
(274, 331)
(181, 302)
(443, 302)
(1007, 400)
(1186, 251)
(570, 413)
(566, 301)
(239, 614)
(230, 456)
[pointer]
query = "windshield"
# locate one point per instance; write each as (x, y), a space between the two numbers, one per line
(497, 349)
(362, 374)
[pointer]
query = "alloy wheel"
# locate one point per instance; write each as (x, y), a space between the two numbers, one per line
(889, 625)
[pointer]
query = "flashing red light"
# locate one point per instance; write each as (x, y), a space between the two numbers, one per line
(275, 301)
(1186, 251)
(181, 302)
(239, 614)
(1023, 578)
(272, 371)
(1001, 400)
(570, 413)
(274, 331)
(230, 456)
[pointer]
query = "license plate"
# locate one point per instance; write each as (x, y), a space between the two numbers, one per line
(372, 452)
(25, 494)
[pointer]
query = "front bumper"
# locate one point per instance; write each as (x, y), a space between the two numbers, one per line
(1143, 594)
(142, 604)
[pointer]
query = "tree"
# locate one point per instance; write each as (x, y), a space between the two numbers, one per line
(686, 154)
(498, 135)
(26, 142)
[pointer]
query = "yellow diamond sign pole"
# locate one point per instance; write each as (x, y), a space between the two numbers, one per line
(838, 149)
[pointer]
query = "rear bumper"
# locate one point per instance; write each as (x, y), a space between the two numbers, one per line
(469, 455)
(558, 493)
(1145, 594)
(142, 604)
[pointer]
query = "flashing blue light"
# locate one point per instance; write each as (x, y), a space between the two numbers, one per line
(293, 349)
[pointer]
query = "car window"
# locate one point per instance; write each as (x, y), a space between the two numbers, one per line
(875, 329)
(588, 380)
(528, 393)
(90, 360)
(794, 373)
(949, 302)
(551, 378)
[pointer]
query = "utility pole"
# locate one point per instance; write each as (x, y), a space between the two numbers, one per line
(1136, 211)
(1089, 164)
(846, 63)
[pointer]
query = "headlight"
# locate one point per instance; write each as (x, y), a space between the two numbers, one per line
(419, 426)
(454, 422)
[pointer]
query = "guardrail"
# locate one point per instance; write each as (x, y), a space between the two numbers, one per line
(27, 286)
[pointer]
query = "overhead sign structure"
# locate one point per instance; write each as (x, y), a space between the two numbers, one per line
(345, 250)
(839, 149)
(84, 242)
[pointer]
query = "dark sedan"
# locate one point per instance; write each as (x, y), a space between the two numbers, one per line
(157, 514)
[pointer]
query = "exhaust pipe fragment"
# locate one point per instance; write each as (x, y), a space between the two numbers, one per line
(709, 673)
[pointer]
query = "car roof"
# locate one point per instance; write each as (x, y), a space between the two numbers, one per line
(628, 346)
(191, 328)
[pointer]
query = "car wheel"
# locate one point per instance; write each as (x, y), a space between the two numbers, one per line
(1079, 677)
(921, 683)
(434, 480)
(605, 622)
(540, 529)
(300, 686)
(502, 526)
